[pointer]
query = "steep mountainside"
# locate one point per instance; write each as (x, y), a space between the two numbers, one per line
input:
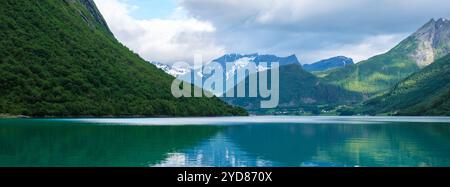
(301, 92)
(424, 93)
(381, 72)
(92, 11)
(58, 58)
(328, 64)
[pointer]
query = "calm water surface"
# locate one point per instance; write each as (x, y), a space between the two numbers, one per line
(243, 141)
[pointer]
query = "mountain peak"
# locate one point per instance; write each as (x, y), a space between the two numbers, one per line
(443, 20)
(441, 23)
(293, 56)
(327, 64)
(432, 41)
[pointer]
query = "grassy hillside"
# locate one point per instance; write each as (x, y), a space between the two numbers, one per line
(300, 92)
(424, 93)
(382, 72)
(377, 73)
(58, 58)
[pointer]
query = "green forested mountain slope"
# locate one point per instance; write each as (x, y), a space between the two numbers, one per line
(58, 58)
(424, 93)
(300, 91)
(382, 72)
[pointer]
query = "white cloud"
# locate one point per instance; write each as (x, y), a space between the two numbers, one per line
(313, 15)
(311, 29)
(370, 46)
(170, 40)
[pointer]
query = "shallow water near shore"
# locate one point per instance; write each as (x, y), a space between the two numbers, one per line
(227, 141)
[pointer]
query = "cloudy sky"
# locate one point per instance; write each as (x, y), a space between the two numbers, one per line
(168, 31)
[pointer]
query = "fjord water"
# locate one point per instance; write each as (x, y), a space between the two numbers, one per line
(242, 141)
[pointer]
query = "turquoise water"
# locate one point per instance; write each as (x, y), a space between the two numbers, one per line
(244, 141)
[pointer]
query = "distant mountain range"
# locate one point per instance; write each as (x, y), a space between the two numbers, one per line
(328, 64)
(240, 61)
(381, 72)
(237, 62)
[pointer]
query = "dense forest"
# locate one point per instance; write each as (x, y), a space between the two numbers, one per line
(58, 58)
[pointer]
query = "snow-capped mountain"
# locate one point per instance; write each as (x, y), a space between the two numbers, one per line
(175, 71)
(236, 63)
(242, 61)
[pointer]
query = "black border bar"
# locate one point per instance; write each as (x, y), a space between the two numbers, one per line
(277, 175)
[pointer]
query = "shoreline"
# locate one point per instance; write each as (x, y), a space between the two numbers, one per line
(8, 116)
(258, 120)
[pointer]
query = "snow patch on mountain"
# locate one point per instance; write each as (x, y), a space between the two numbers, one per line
(175, 71)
